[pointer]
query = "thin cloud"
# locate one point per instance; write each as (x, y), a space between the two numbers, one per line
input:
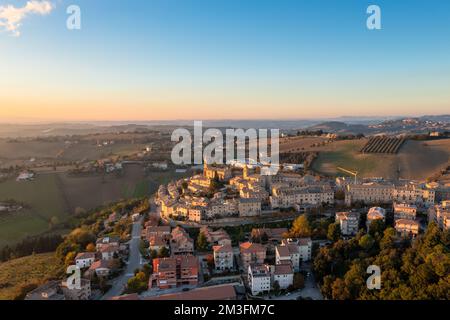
(11, 17)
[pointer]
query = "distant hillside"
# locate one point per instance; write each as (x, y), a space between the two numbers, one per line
(399, 126)
(340, 127)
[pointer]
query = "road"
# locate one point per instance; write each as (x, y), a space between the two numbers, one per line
(134, 262)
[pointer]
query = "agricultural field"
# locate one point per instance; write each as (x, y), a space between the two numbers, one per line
(27, 271)
(415, 159)
(21, 152)
(383, 145)
(92, 191)
(302, 144)
(59, 194)
(43, 200)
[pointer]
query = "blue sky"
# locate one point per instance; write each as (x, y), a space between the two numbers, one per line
(212, 59)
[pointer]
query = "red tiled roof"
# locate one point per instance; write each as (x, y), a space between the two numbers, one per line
(222, 292)
(249, 247)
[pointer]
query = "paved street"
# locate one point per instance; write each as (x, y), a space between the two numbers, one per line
(134, 262)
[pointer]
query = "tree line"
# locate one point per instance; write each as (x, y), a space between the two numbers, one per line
(40, 244)
(418, 269)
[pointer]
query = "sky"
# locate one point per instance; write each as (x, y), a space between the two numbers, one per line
(222, 59)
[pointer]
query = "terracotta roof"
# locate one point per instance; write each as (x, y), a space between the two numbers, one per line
(283, 251)
(225, 248)
(250, 247)
(109, 248)
(283, 269)
(85, 255)
(221, 292)
(188, 261)
(132, 296)
(304, 241)
(165, 264)
(158, 229)
(103, 264)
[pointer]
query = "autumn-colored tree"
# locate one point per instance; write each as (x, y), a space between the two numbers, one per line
(334, 232)
(90, 247)
(300, 228)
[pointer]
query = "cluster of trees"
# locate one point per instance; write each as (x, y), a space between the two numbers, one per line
(202, 242)
(40, 244)
(139, 282)
(418, 269)
(163, 252)
(306, 226)
(310, 133)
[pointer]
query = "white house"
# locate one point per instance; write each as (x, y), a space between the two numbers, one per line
(108, 251)
(85, 259)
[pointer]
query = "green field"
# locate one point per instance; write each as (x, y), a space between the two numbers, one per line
(346, 156)
(59, 194)
(26, 271)
(44, 201)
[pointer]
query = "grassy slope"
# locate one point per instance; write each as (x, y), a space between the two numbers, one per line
(44, 200)
(416, 159)
(46, 197)
(34, 269)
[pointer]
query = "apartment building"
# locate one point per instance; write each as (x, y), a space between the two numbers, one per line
(293, 251)
(221, 208)
(404, 211)
(252, 253)
(414, 194)
(174, 271)
(223, 257)
(181, 243)
(369, 193)
(259, 278)
(283, 274)
(164, 273)
(349, 222)
(407, 228)
(249, 207)
(386, 192)
(440, 214)
(286, 196)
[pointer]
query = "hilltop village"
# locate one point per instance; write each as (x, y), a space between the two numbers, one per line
(232, 233)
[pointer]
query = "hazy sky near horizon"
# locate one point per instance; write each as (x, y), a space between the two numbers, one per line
(222, 59)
